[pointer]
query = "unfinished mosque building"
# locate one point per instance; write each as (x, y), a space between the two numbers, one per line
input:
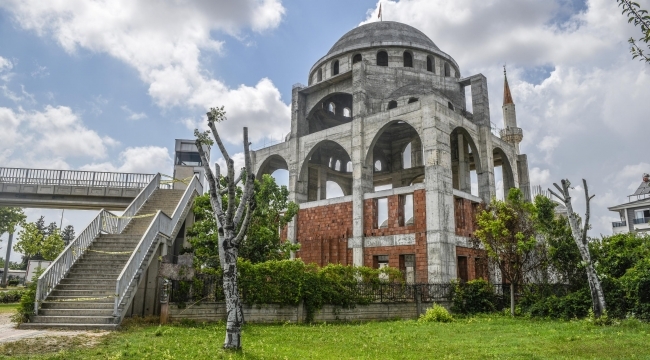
(384, 118)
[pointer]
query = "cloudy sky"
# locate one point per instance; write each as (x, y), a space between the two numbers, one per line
(108, 85)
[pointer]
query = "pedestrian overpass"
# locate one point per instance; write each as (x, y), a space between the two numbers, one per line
(70, 189)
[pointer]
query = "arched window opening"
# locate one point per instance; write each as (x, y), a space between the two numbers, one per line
(382, 58)
(450, 105)
(430, 64)
(319, 75)
(447, 69)
(331, 107)
(347, 112)
(337, 166)
(377, 165)
(335, 68)
(392, 104)
(408, 59)
(406, 157)
(356, 58)
(412, 100)
(348, 167)
(333, 190)
(331, 162)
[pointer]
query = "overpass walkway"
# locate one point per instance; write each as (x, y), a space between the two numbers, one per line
(70, 189)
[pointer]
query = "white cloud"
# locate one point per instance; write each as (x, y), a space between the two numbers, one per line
(164, 42)
(48, 138)
(5, 64)
(238, 159)
(132, 115)
(146, 159)
(539, 177)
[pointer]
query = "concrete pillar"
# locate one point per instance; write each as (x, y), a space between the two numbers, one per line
(524, 178)
(486, 185)
(299, 127)
(322, 182)
(441, 247)
(480, 100)
(464, 181)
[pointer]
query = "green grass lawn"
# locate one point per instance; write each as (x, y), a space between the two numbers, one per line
(8, 308)
(480, 337)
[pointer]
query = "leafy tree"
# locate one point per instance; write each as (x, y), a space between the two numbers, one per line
(507, 229)
(563, 255)
(10, 217)
(51, 229)
(34, 244)
(12, 265)
(262, 242)
(639, 17)
(67, 234)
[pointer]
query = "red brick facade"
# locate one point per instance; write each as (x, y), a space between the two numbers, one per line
(465, 216)
(323, 234)
(471, 263)
(419, 228)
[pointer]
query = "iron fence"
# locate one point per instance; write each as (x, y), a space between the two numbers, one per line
(74, 178)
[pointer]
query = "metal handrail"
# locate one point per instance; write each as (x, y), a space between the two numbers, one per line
(160, 225)
(74, 178)
(59, 268)
(137, 203)
(619, 223)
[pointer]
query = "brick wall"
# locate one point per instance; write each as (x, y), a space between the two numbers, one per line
(465, 216)
(476, 262)
(323, 234)
(418, 228)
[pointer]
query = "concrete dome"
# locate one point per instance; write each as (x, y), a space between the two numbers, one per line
(382, 33)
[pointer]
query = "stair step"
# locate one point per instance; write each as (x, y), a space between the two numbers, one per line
(73, 319)
(80, 299)
(67, 326)
(104, 285)
(68, 305)
(84, 293)
(76, 312)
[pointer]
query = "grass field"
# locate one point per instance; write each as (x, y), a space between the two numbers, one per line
(479, 337)
(8, 308)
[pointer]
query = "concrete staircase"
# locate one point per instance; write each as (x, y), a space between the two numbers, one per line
(84, 299)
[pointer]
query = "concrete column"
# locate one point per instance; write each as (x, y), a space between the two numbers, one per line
(299, 127)
(322, 182)
(480, 100)
(464, 181)
(524, 179)
(486, 185)
(441, 247)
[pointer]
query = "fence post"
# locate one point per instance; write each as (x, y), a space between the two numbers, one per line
(418, 300)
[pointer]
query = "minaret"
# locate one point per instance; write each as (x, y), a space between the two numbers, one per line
(511, 133)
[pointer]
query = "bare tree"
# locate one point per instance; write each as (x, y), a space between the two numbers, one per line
(580, 236)
(232, 223)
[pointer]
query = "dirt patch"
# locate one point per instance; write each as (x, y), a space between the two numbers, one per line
(51, 343)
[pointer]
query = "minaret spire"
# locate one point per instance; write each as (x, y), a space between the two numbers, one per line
(507, 96)
(511, 133)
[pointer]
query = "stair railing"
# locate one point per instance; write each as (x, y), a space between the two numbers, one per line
(105, 222)
(137, 203)
(161, 226)
(58, 269)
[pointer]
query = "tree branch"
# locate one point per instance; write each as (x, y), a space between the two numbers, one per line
(212, 183)
(587, 213)
(556, 195)
(244, 227)
(250, 181)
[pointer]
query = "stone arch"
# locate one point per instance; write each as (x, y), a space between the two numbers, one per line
(320, 118)
(271, 164)
(465, 158)
(356, 58)
(501, 159)
(388, 145)
(315, 169)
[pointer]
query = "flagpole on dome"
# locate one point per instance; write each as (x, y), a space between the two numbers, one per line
(380, 16)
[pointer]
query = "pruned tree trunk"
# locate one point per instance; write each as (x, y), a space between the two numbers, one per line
(512, 299)
(232, 223)
(580, 237)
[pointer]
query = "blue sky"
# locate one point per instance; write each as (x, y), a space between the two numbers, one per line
(110, 86)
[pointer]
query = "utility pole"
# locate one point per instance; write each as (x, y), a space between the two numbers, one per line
(6, 269)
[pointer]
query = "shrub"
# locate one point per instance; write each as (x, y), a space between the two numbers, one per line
(11, 296)
(436, 313)
(13, 282)
(475, 296)
(572, 305)
(27, 300)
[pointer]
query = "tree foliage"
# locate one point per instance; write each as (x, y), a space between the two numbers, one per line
(34, 242)
(639, 17)
(10, 217)
(262, 242)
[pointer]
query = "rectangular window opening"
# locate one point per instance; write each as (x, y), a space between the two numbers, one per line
(382, 213)
(407, 267)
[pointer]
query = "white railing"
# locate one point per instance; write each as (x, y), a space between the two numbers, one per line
(74, 178)
(58, 269)
(162, 225)
(137, 203)
(104, 222)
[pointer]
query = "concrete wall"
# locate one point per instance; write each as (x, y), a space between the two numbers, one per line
(272, 313)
